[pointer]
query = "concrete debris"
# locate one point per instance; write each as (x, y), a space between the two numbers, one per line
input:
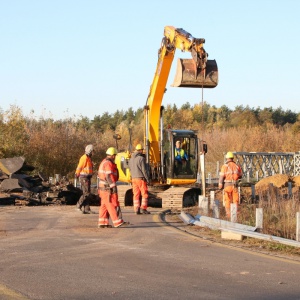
(19, 188)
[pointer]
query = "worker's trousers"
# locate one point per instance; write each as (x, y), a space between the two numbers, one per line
(139, 188)
(231, 195)
(108, 208)
(84, 201)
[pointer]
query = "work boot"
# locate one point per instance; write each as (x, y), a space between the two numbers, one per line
(145, 211)
(88, 212)
(138, 212)
(104, 226)
(123, 224)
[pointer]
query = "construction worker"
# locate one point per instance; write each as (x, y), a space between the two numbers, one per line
(180, 158)
(84, 172)
(140, 180)
(228, 180)
(180, 154)
(108, 176)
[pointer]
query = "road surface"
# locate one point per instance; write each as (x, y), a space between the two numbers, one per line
(55, 252)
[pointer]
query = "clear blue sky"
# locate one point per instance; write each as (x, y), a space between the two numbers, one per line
(71, 58)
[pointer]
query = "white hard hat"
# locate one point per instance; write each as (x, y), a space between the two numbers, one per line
(89, 149)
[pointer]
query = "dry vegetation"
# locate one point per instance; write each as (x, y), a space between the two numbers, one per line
(55, 146)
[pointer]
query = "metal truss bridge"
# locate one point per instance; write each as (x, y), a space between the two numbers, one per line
(259, 165)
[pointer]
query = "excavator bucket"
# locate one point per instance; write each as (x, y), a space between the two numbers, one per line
(187, 74)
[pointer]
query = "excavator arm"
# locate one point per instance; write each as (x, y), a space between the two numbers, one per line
(196, 72)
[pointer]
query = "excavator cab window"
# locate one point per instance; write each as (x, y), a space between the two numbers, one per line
(180, 159)
(184, 158)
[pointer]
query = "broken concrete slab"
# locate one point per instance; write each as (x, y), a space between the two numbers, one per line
(11, 165)
(10, 185)
(231, 236)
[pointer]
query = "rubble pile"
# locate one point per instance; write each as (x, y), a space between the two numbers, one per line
(19, 188)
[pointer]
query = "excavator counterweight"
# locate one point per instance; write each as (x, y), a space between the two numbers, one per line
(187, 74)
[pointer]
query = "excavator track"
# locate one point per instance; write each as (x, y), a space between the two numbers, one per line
(172, 198)
(125, 195)
(178, 197)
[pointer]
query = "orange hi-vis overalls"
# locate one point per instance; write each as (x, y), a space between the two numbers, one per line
(230, 173)
(139, 188)
(108, 176)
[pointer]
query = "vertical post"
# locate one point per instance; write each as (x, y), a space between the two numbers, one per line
(209, 178)
(57, 178)
(259, 218)
(233, 212)
(248, 176)
(202, 163)
(212, 196)
(256, 175)
(203, 205)
(253, 191)
(214, 205)
(298, 226)
(290, 189)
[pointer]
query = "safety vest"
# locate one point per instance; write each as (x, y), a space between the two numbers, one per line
(85, 166)
(230, 172)
(179, 152)
(108, 174)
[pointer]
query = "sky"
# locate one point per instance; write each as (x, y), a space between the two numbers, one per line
(82, 58)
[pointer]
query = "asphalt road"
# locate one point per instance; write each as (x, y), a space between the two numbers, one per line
(57, 253)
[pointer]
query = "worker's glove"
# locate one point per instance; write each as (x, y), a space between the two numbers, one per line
(114, 190)
(220, 186)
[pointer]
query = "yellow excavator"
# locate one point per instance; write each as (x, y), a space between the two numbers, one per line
(171, 183)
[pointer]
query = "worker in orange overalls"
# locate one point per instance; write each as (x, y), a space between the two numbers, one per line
(84, 172)
(108, 176)
(228, 180)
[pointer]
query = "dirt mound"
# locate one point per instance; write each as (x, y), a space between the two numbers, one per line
(296, 181)
(278, 180)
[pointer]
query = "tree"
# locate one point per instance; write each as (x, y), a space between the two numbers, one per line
(13, 133)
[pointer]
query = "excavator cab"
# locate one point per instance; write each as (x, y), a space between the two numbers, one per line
(180, 157)
(188, 75)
